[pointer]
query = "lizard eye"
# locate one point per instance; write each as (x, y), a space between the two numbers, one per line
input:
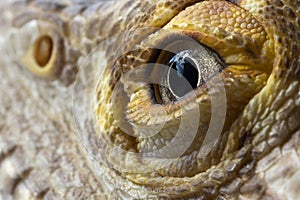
(188, 70)
(183, 74)
(44, 56)
(43, 50)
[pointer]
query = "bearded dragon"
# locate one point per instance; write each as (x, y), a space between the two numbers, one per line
(93, 107)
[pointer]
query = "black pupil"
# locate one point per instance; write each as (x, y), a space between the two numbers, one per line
(183, 75)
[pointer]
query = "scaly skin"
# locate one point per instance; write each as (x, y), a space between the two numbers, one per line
(41, 155)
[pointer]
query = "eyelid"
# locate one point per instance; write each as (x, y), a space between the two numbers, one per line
(234, 42)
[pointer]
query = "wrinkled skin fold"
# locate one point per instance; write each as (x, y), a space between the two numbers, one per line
(75, 122)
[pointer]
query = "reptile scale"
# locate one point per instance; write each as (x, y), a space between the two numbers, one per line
(95, 104)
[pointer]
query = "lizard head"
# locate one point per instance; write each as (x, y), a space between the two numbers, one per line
(173, 99)
(183, 142)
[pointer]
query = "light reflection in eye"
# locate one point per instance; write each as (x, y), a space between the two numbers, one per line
(183, 75)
